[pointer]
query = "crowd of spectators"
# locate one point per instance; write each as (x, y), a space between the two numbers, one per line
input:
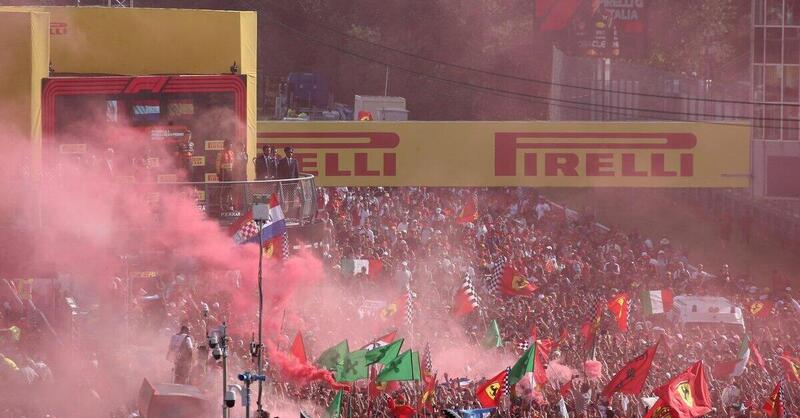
(574, 263)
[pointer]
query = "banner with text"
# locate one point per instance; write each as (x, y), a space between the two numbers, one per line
(542, 154)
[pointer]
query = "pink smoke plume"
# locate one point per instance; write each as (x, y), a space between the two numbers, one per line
(593, 368)
(559, 373)
(292, 369)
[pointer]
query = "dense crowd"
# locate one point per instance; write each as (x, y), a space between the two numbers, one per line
(574, 263)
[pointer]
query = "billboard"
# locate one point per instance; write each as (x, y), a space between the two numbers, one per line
(541, 154)
(607, 28)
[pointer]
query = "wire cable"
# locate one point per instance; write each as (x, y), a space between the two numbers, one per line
(543, 99)
(524, 79)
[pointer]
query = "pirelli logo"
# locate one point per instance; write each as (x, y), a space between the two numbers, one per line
(211, 177)
(198, 161)
(502, 154)
(215, 145)
(339, 154)
(594, 154)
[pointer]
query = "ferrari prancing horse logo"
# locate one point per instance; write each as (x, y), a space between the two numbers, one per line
(389, 310)
(756, 307)
(519, 283)
(685, 392)
(492, 390)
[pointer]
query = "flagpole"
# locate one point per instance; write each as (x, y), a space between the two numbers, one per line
(260, 346)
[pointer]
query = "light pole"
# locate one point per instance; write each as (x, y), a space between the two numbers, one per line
(218, 342)
(260, 215)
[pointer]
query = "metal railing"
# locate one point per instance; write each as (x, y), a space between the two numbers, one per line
(223, 200)
(229, 199)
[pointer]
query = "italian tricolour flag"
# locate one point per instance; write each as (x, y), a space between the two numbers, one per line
(355, 266)
(733, 368)
(656, 301)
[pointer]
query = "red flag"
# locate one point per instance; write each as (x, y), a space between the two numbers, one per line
(375, 388)
(399, 408)
(540, 356)
(492, 391)
(466, 300)
(687, 393)
(661, 410)
(562, 338)
(470, 211)
(427, 398)
(273, 248)
(513, 283)
(630, 379)
(299, 348)
(566, 388)
(761, 309)
(395, 311)
(774, 405)
(792, 367)
(755, 356)
(620, 307)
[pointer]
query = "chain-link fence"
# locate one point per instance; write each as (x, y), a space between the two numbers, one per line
(298, 197)
(597, 89)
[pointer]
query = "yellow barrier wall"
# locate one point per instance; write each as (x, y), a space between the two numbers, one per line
(24, 50)
(138, 41)
(543, 154)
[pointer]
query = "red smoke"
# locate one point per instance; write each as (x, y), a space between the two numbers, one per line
(299, 373)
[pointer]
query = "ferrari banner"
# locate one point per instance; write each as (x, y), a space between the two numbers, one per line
(543, 154)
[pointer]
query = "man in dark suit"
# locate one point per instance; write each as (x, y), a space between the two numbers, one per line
(287, 166)
(266, 164)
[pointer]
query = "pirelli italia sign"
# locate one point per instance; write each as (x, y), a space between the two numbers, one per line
(542, 154)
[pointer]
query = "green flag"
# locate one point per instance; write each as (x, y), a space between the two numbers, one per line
(493, 338)
(354, 367)
(523, 365)
(334, 410)
(415, 365)
(385, 354)
(333, 358)
(402, 368)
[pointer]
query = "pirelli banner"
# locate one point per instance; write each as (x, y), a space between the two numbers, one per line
(542, 154)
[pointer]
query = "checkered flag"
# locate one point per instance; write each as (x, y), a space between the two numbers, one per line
(428, 360)
(469, 290)
(493, 279)
(247, 231)
(506, 385)
(285, 246)
(409, 307)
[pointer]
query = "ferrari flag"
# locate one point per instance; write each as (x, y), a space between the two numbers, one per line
(687, 393)
(630, 379)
